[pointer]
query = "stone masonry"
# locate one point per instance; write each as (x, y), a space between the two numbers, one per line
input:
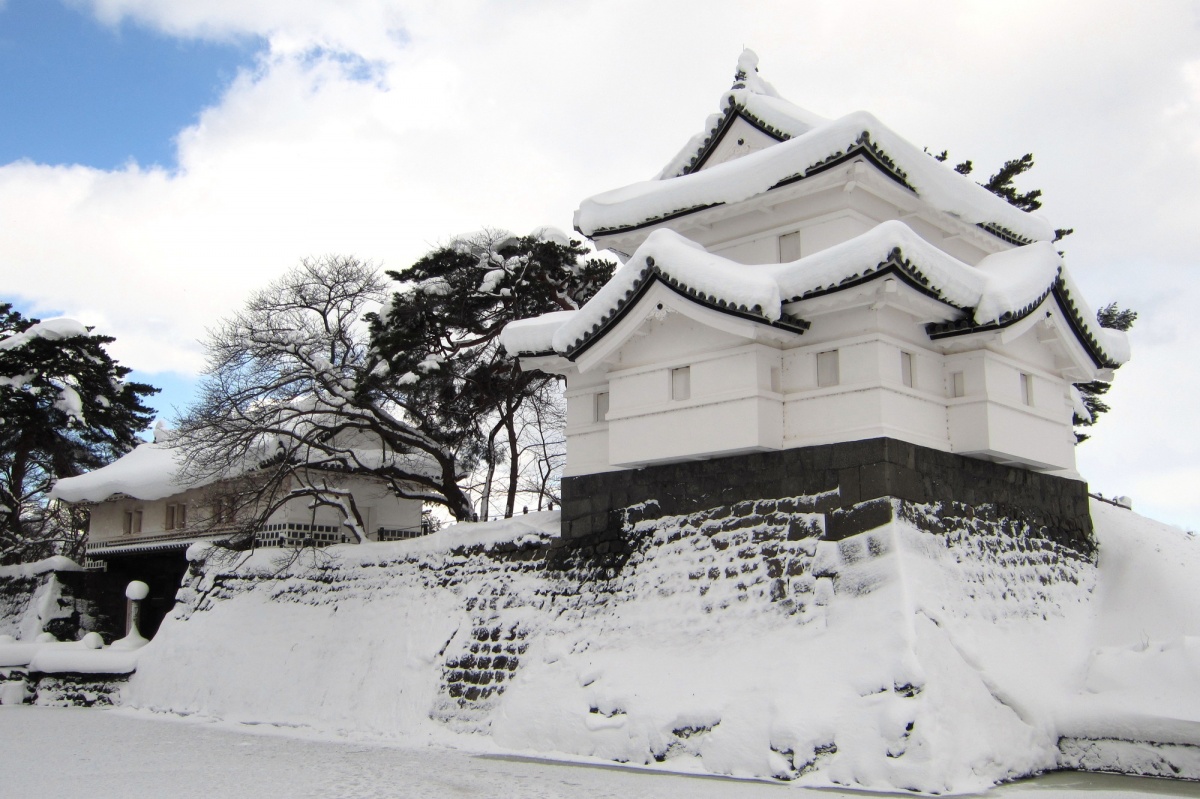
(852, 481)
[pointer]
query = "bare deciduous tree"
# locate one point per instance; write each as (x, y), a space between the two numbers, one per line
(285, 395)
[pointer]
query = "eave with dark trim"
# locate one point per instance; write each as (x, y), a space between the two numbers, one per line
(894, 265)
(652, 274)
(733, 112)
(1062, 295)
(864, 147)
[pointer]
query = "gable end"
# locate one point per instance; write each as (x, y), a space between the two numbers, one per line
(894, 265)
(652, 274)
(733, 111)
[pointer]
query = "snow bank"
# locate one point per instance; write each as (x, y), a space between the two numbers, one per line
(897, 659)
(54, 563)
(73, 658)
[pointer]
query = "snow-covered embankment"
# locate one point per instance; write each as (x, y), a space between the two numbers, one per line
(944, 651)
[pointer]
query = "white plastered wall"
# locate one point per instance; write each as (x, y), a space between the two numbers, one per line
(378, 506)
(753, 396)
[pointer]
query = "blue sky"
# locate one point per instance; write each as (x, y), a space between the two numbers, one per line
(76, 91)
(73, 90)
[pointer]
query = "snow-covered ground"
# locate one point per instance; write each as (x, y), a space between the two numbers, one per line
(68, 753)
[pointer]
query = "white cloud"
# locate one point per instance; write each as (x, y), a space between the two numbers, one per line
(370, 28)
(507, 114)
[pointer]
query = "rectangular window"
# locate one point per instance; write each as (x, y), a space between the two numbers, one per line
(681, 383)
(601, 409)
(906, 369)
(827, 369)
(176, 516)
(1026, 388)
(958, 386)
(789, 247)
(133, 522)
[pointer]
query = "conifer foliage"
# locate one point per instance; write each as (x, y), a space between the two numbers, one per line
(1115, 318)
(307, 383)
(1111, 316)
(438, 340)
(65, 408)
(282, 399)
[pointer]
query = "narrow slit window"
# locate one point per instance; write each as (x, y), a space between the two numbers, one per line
(958, 386)
(828, 370)
(906, 369)
(136, 523)
(128, 525)
(1026, 388)
(601, 410)
(170, 520)
(789, 247)
(681, 383)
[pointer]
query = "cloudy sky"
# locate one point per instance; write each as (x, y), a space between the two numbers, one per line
(161, 158)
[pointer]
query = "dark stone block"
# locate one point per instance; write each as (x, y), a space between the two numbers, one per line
(848, 486)
(908, 484)
(842, 524)
(875, 480)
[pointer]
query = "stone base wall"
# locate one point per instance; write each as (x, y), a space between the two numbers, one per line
(53, 602)
(1179, 761)
(574, 642)
(846, 478)
(21, 687)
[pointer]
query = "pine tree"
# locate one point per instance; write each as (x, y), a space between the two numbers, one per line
(65, 408)
(439, 339)
(1114, 318)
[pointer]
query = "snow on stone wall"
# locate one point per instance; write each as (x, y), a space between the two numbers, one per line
(33, 600)
(941, 651)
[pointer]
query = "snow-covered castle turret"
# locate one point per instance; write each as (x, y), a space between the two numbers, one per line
(794, 281)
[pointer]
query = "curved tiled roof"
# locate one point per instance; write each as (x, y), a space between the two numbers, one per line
(1001, 290)
(805, 145)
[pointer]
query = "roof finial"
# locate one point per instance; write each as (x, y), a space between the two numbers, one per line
(747, 65)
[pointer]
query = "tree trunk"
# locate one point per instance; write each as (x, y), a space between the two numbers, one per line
(491, 473)
(514, 461)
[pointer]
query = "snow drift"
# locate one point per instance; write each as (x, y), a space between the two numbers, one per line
(945, 651)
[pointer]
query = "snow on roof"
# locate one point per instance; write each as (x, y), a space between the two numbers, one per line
(149, 472)
(1000, 290)
(808, 145)
(155, 470)
(536, 334)
(751, 99)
